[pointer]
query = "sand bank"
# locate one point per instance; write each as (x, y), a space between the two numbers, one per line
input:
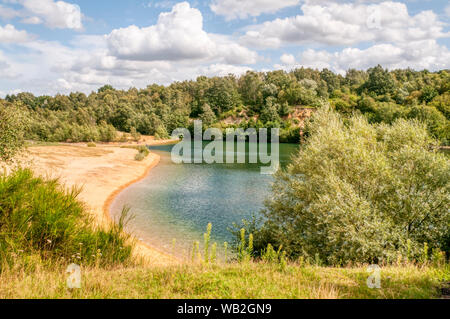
(102, 172)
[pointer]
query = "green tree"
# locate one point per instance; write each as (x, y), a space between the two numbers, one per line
(105, 88)
(208, 117)
(223, 95)
(428, 94)
(161, 133)
(12, 130)
(435, 121)
(270, 112)
(360, 193)
(380, 81)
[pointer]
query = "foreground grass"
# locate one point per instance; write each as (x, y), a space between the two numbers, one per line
(44, 228)
(42, 223)
(249, 280)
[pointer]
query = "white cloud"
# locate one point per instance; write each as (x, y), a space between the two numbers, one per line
(57, 14)
(6, 70)
(164, 4)
(9, 34)
(347, 24)
(178, 48)
(223, 70)
(32, 20)
(177, 36)
(175, 49)
(447, 10)
(86, 65)
(234, 9)
(8, 13)
(54, 14)
(426, 54)
(287, 59)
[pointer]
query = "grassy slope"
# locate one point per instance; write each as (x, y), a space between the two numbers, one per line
(35, 254)
(248, 280)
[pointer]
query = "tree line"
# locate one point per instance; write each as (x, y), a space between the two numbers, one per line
(255, 99)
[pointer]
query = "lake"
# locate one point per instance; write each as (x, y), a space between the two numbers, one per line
(177, 201)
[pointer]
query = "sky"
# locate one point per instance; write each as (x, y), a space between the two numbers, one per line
(49, 47)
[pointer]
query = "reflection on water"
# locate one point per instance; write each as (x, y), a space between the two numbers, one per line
(178, 201)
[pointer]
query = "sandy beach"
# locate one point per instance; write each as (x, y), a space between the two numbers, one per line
(102, 172)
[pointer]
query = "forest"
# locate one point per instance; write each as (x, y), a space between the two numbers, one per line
(255, 99)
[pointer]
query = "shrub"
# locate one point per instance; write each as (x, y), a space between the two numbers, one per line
(135, 135)
(139, 157)
(359, 192)
(161, 133)
(91, 144)
(40, 217)
(143, 152)
(12, 126)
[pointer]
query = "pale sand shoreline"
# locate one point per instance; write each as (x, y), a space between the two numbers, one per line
(102, 172)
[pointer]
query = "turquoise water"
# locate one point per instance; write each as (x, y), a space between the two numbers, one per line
(177, 201)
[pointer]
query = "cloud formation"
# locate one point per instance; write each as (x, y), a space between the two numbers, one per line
(238, 9)
(9, 34)
(328, 34)
(338, 24)
(54, 14)
(419, 55)
(178, 35)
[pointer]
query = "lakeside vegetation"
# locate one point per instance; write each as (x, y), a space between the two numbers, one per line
(42, 223)
(44, 228)
(367, 186)
(272, 99)
(357, 192)
(143, 152)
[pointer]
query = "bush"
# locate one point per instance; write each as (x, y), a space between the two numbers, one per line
(436, 122)
(139, 157)
(143, 152)
(161, 133)
(91, 144)
(360, 193)
(12, 126)
(39, 217)
(135, 135)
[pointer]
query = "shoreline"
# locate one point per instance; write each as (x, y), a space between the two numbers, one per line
(101, 172)
(107, 210)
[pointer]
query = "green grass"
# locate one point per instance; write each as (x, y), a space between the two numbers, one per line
(39, 218)
(232, 280)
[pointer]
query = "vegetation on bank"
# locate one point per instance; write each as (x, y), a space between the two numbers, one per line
(270, 99)
(39, 269)
(358, 192)
(42, 223)
(12, 132)
(143, 152)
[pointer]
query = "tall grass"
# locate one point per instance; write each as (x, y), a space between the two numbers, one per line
(40, 219)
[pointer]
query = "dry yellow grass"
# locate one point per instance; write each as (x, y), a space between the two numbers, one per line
(235, 281)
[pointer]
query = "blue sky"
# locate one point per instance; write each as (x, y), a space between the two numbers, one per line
(49, 47)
